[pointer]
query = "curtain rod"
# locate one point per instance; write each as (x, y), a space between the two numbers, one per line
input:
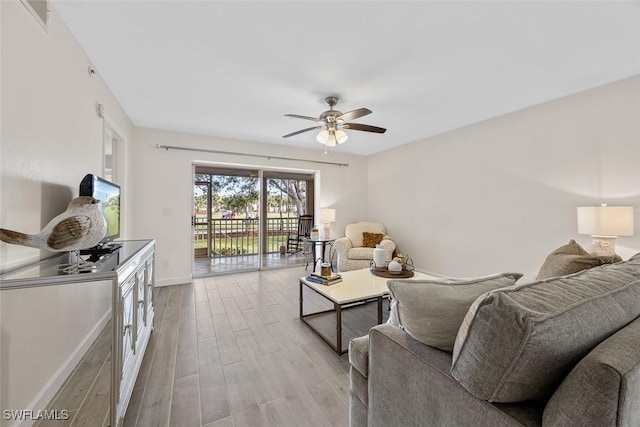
(204, 150)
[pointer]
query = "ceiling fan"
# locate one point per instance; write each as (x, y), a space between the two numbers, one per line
(332, 122)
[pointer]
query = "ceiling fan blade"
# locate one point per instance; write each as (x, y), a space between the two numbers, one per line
(366, 128)
(354, 114)
(301, 131)
(297, 116)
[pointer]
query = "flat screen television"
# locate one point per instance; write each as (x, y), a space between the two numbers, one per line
(108, 194)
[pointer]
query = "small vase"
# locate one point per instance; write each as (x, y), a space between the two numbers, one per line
(395, 267)
(379, 257)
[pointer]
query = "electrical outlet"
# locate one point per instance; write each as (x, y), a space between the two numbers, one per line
(167, 212)
(165, 264)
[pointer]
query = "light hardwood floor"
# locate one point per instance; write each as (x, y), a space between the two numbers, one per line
(232, 351)
(203, 267)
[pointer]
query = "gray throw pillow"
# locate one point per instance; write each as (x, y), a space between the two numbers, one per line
(431, 311)
(572, 258)
(518, 342)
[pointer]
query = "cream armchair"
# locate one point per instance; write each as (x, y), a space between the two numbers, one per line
(352, 255)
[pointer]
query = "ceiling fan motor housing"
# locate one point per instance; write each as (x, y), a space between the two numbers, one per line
(330, 116)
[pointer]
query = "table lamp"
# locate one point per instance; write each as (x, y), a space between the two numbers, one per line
(327, 216)
(606, 223)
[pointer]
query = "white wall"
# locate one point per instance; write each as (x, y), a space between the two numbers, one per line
(50, 135)
(501, 194)
(162, 183)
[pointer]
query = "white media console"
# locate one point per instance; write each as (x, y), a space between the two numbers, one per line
(50, 320)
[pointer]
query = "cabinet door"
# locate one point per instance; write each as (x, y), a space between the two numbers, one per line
(141, 309)
(148, 277)
(128, 310)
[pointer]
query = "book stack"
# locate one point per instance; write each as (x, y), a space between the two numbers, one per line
(331, 280)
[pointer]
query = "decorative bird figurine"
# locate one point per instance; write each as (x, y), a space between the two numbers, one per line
(81, 226)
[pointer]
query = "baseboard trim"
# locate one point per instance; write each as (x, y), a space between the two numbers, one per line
(173, 281)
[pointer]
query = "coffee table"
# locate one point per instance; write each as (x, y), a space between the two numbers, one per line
(357, 287)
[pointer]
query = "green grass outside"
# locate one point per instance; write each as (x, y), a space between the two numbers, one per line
(248, 244)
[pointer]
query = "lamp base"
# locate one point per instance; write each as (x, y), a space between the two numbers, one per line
(327, 230)
(603, 244)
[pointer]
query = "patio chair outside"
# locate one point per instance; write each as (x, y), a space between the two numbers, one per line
(295, 242)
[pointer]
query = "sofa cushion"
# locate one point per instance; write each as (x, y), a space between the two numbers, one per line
(603, 389)
(370, 240)
(410, 385)
(360, 253)
(571, 258)
(517, 343)
(432, 310)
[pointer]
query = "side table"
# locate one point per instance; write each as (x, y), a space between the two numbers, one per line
(323, 243)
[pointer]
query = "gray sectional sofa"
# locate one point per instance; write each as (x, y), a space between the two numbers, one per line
(564, 351)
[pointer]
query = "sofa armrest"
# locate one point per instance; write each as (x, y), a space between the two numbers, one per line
(410, 384)
(603, 389)
(358, 384)
(389, 246)
(342, 246)
(359, 354)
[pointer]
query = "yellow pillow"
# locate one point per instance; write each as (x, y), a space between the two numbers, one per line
(370, 240)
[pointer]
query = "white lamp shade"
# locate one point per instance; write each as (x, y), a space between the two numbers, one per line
(341, 136)
(327, 215)
(611, 221)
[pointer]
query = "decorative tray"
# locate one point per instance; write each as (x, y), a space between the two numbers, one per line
(405, 273)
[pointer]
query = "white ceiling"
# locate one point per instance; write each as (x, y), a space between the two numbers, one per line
(234, 68)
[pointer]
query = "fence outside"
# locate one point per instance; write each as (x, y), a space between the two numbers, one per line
(239, 237)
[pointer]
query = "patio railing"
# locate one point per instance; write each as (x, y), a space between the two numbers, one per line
(237, 236)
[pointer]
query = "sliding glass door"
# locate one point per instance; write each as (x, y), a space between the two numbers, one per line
(243, 219)
(288, 196)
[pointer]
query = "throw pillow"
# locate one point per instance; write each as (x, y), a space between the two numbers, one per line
(571, 258)
(370, 240)
(431, 311)
(518, 343)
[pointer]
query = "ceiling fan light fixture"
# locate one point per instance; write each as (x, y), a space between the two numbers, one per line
(341, 136)
(323, 136)
(330, 137)
(331, 142)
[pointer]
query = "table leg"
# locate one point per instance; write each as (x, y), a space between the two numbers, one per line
(331, 253)
(379, 310)
(338, 308)
(306, 257)
(301, 304)
(324, 249)
(315, 260)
